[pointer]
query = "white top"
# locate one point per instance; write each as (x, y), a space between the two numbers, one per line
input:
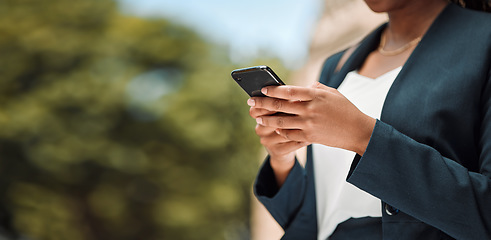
(338, 200)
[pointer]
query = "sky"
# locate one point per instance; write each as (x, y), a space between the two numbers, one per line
(249, 28)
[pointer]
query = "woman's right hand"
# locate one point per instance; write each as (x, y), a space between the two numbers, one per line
(280, 149)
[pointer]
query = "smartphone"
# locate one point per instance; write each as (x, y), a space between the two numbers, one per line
(253, 79)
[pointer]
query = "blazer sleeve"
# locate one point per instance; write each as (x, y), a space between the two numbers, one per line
(283, 203)
(419, 181)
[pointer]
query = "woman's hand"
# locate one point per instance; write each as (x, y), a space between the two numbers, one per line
(318, 114)
(280, 149)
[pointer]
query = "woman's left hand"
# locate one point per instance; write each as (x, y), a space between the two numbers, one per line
(317, 114)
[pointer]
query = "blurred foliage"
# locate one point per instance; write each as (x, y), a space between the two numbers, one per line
(117, 127)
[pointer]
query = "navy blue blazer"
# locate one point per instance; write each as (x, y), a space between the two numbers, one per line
(429, 157)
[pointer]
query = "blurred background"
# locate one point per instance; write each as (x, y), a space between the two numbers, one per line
(119, 118)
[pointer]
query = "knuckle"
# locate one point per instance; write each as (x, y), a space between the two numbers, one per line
(309, 123)
(277, 104)
(309, 108)
(310, 114)
(290, 92)
(280, 122)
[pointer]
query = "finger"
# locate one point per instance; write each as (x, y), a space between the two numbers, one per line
(258, 112)
(279, 105)
(288, 147)
(269, 136)
(293, 134)
(272, 140)
(262, 131)
(281, 121)
(287, 92)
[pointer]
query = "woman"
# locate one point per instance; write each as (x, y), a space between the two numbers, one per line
(423, 170)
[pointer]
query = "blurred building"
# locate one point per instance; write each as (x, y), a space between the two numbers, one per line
(343, 23)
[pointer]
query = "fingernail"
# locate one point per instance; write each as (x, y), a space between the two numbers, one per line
(251, 102)
(264, 91)
(277, 131)
(259, 120)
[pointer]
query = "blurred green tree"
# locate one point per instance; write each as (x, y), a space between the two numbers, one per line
(117, 127)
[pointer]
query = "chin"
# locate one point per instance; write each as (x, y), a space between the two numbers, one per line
(374, 5)
(380, 6)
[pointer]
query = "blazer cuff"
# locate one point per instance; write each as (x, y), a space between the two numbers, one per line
(374, 147)
(282, 202)
(378, 131)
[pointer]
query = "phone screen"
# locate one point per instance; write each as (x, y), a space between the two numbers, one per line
(253, 79)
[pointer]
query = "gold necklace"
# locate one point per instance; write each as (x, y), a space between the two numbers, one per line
(396, 51)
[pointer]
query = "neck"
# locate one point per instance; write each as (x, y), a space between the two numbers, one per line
(412, 21)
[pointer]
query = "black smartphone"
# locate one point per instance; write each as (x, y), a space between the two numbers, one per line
(253, 79)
